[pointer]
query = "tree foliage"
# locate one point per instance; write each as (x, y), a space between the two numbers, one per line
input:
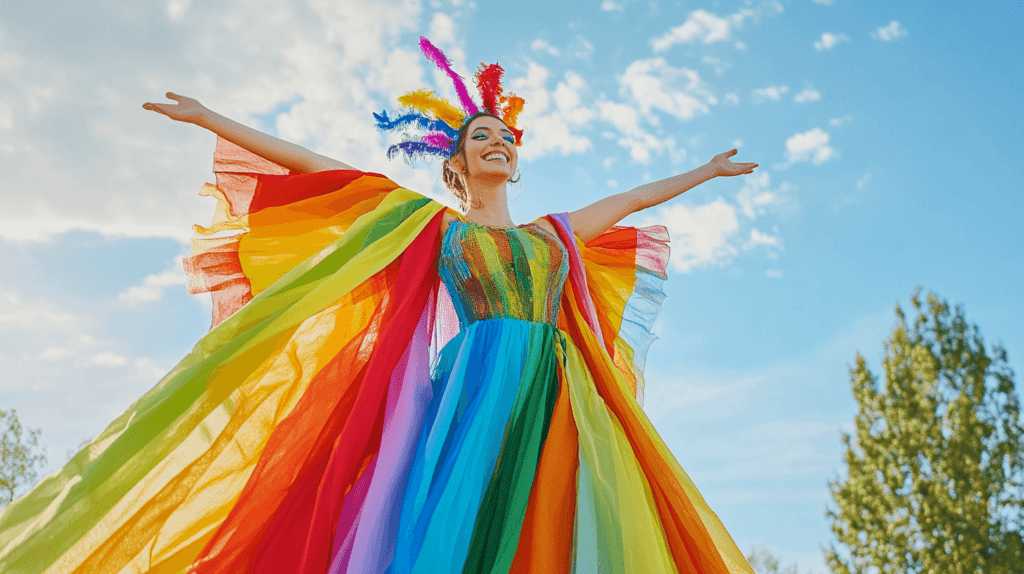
(935, 463)
(19, 455)
(764, 562)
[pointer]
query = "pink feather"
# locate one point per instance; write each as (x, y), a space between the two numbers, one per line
(435, 55)
(438, 139)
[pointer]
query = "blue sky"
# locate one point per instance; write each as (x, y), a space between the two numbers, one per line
(888, 137)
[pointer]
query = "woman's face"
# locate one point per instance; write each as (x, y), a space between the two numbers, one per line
(490, 150)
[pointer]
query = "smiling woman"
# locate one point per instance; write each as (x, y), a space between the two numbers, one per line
(391, 385)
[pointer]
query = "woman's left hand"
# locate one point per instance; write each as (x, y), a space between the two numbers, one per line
(721, 165)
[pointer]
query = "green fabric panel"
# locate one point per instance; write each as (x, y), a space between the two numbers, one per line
(158, 422)
(495, 537)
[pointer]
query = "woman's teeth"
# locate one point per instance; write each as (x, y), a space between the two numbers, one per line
(493, 156)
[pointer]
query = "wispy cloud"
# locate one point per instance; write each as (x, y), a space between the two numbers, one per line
(807, 95)
(153, 286)
(341, 61)
(811, 146)
(62, 373)
(891, 31)
(544, 47)
(770, 93)
(555, 117)
(841, 120)
(829, 40)
(700, 26)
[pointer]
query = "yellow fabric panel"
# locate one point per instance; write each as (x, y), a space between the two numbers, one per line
(727, 549)
(622, 494)
(190, 493)
(281, 237)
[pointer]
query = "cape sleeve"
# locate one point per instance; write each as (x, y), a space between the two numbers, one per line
(268, 220)
(623, 270)
(276, 412)
(611, 298)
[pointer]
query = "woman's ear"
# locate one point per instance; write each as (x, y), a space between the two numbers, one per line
(456, 164)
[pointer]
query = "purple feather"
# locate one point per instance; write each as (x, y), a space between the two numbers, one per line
(435, 55)
(414, 149)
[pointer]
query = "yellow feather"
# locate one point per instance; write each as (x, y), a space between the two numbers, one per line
(426, 101)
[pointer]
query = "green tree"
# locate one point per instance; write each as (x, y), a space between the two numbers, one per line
(18, 455)
(764, 562)
(935, 464)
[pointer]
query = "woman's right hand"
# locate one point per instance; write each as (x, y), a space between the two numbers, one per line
(187, 110)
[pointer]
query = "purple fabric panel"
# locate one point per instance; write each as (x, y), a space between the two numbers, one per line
(577, 275)
(408, 400)
(345, 532)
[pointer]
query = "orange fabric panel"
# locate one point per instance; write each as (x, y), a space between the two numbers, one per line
(545, 542)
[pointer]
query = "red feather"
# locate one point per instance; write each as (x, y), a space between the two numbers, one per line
(488, 80)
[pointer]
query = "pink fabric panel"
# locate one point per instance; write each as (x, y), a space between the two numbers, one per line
(577, 274)
(409, 395)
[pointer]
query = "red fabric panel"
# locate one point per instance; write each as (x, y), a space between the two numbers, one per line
(300, 539)
(290, 455)
(285, 519)
(218, 271)
(275, 190)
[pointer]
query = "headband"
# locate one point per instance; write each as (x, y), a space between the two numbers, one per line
(438, 119)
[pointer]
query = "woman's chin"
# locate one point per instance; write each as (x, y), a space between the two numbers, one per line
(493, 173)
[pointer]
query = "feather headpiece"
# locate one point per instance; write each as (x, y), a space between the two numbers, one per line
(439, 119)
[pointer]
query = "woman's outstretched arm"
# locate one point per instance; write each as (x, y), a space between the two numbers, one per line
(289, 155)
(596, 218)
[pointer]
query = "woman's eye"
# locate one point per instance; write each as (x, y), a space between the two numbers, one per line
(509, 139)
(479, 136)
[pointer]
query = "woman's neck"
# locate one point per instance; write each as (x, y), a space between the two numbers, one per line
(488, 204)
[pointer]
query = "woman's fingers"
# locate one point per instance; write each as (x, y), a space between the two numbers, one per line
(173, 96)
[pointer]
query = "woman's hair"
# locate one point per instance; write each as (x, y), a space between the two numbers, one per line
(450, 177)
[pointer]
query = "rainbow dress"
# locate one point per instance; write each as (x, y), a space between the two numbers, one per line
(379, 396)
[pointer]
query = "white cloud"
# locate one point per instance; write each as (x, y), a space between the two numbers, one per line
(641, 144)
(153, 286)
(754, 197)
(824, 2)
(108, 359)
(552, 118)
(539, 45)
(811, 145)
(653, 84)
(442, 29)
(773, 273)
(863, 181)
(891, 31)
(773, 93)
(701, 235)
(62, 373)
(731, 98)
(700, 26)
(610, 6)
(841, 120)
(176, 9)
(581, 48)
(95, 160)
(758, 237)
(829, 41)
(807, 95)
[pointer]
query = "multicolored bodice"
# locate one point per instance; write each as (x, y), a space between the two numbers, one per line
(493, 272)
